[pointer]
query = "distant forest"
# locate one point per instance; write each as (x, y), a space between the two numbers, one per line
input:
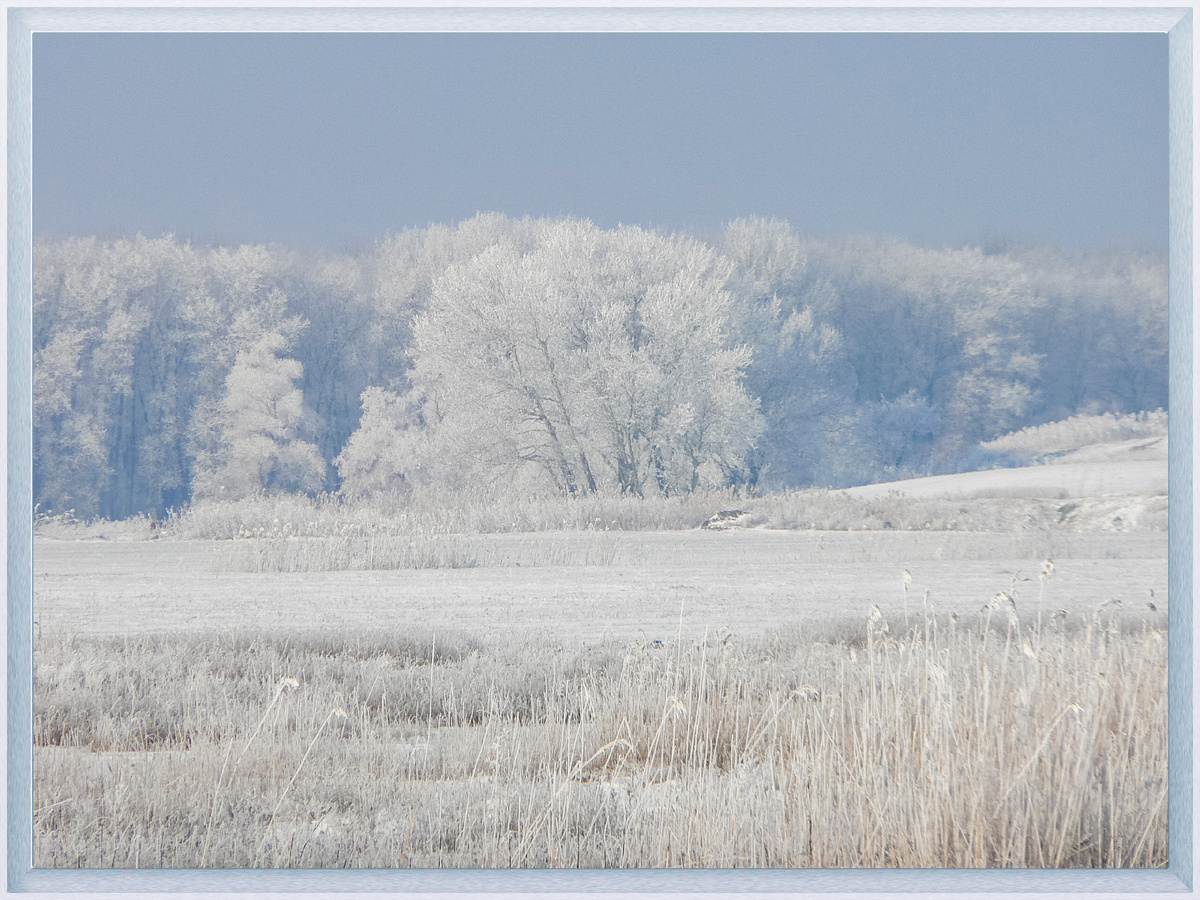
(549, 355)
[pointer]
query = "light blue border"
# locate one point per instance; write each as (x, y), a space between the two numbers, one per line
(21, 878)
(19, 720)
(1180, 546)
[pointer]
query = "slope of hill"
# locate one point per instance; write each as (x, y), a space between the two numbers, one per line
(1086, 473)
(1124, 468)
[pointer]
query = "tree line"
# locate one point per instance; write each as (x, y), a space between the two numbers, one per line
(541, 355)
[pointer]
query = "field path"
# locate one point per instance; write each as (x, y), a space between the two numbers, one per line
(750, 580)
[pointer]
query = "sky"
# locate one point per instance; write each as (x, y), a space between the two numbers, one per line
(335, 141)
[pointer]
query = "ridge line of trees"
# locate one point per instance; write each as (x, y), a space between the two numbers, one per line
(550, 355)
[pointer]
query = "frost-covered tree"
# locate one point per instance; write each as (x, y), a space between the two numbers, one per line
(597, 361)
(399, 275)
(262, 416)
(112, 353)
(635, 358)
(948, 327)
(1100, 331)
(799, 368)
(338, 352)
(900, 435)
(385, 452)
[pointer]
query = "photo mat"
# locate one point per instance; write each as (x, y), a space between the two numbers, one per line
(605, 550)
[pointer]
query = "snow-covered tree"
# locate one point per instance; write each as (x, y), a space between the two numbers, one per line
(597, 361)
(561, 356)
(799, 371)
(260, 422)
(385, 451)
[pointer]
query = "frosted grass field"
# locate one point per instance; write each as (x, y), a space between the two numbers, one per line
(582, 586)
(933, 747)
(750, 696)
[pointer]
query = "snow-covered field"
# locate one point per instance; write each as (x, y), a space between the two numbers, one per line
(582, 586)
(619, 698)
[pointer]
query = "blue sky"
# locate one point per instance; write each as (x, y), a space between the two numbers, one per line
(335, 140)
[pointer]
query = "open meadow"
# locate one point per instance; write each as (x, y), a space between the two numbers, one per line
(604, 446)
(311, 686)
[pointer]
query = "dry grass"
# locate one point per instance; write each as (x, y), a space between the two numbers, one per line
(981, 742)
(285, 516)
(289, 533)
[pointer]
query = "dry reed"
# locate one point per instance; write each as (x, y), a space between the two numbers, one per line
(955, 743)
